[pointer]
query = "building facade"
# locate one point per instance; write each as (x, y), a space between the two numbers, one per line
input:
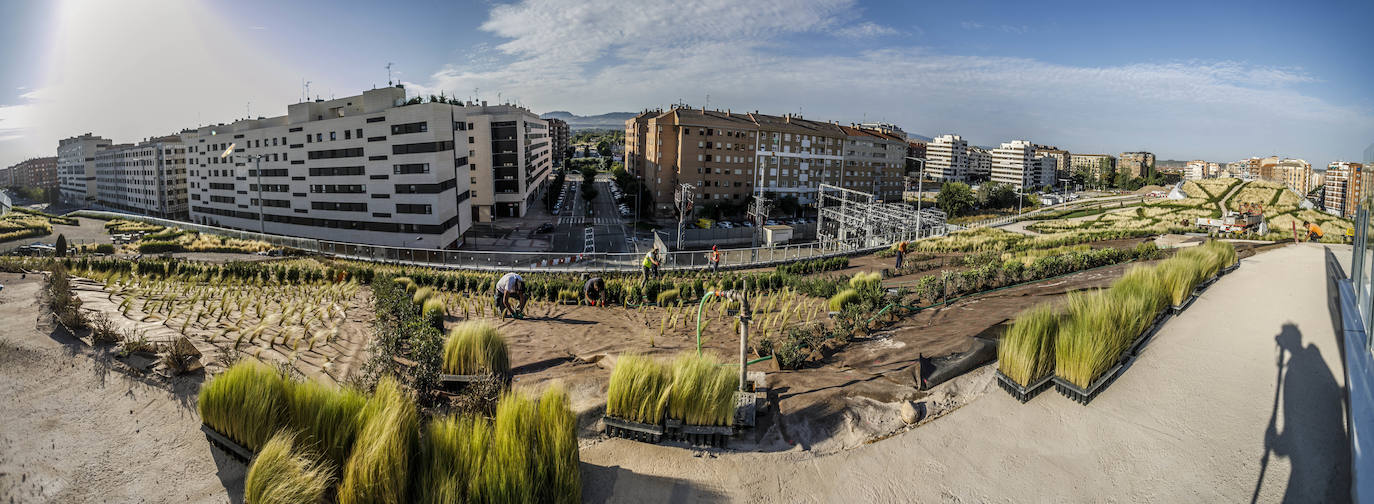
(916, 157)
(37, 172)
(1294, 173)
(1092, 166)
(1061, 159)
(947, 159)
(509, 156)
(366, 169)
(147, 178)
(1015, 163)
(875, 160)
(76, 167)
(1195, 170)
(558, 142)
(979, 163)
(1136, 164)
(1342, 188)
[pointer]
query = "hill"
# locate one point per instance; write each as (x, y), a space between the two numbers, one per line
(610, 120)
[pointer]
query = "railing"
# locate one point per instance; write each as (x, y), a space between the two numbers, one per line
(5, 204)
(526, 261)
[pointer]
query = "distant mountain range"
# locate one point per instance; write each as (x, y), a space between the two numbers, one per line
(610, 120)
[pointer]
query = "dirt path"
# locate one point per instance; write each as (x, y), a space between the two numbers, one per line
(1221, 205)
(73, 428)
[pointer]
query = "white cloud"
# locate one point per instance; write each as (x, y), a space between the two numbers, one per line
(866, 30)
(594, 56)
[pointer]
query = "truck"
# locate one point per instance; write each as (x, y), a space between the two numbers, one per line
(1233, 222)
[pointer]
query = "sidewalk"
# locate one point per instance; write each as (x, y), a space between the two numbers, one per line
(1239, 397)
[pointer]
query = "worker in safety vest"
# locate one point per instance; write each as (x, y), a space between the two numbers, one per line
(650, 267)
(714, 257)
(1350, 235)
(901, 252)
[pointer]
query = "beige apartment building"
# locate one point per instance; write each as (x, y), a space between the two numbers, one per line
(728, 157)
(1195, 170)
(1136, 164)
(1093, 165)
(147, 178)
(366, 169)
(76, 167)
(1015, 163)
(1294, 173)
(37, 172)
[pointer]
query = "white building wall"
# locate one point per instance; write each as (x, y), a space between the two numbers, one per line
(1014, 163)
(947, 158)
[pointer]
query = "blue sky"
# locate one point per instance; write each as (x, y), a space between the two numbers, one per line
(1211, 80)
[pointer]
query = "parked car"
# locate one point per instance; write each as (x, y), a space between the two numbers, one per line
(544, 228)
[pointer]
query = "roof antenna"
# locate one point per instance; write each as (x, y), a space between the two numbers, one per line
(388, 73)
(305, 95)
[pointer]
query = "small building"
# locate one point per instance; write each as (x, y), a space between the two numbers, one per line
(776, 234)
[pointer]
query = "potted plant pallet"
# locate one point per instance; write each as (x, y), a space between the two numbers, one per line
(233, 448)
(1024, 393)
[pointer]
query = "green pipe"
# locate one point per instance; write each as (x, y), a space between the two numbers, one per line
(700, 306)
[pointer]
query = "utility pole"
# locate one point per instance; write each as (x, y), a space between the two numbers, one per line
(758, 209)
(683, 197)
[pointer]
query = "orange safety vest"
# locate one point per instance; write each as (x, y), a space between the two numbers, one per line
(715, 256)
(1315, 229)
(901, 247)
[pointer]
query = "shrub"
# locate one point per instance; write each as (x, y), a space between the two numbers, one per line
(104, 248)
(844, 298)
(280, 476)
(476, 348)
(434, 311)
(702, 391)
(638, 389)
(1026, 352)
(244, 403)
(103, 330)
(421, 295)
(376, 471)
(328, 418)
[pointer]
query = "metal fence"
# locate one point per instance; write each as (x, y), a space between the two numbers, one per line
(518, 261)
(5, 204)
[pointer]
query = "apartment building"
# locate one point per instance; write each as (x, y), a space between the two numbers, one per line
(1195, 170)
(1213, 170)
(147, 178)
(979, 163)
(1061, 159)
(947, 158)
(558, 142)
(509, 155)
(1092, 165)
(371, 169)
(1294, 173)
(1343, 187)
(915, 157)
(875, 160)
(1015, 163)
(76, 167)
(1136, 164)
(6, 177)
(35, 172)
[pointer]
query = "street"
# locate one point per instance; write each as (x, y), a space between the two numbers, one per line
(609, 232)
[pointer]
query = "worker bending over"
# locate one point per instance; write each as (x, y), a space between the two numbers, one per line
(508, 289)
(651, 263)
(1314, 232)
(714, 257)
(595, 291)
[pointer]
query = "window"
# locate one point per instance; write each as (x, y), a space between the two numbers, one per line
(422, 147)
(412, 168)
(338, 206)
(336, 153)
(319, 137)
(332, 137)
(338, 188)
(360, 132)
(407, 208)
(336, 171)
(348, 134)
(307, 139)
(416, 127)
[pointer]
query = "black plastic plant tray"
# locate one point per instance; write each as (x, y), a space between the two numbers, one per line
(229, 446)
(622, 428)
(454, 382)
(1150, 332)
(699, 435)
(1082, 396)
(1025, 393)
(1230, 268)
(1186, 303)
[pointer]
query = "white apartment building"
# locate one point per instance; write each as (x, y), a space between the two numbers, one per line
(1061, 158)
(1195, 170)
(148, 178)
(1015, 163)
(366, 169)
(979, 163)
(947, 158)
(510, 157)
(76, 167)
(1046, 170)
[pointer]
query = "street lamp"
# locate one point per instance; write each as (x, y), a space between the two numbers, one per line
(920, 180)
(257, 167)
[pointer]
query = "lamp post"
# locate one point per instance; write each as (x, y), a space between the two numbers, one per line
(257, 167)
(920, 180)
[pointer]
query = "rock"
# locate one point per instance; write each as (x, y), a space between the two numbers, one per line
(913, 412)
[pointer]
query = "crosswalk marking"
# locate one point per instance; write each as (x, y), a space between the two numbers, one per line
(598, 221)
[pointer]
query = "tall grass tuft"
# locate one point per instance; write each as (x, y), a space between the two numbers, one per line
(278, 475)
(843, 298)
(702, 391)
(1090, 340)
(245, 403)
(638, 389)
(327, 418)
(476, 348)
(558, 477)
(376, 471)
(1026, 352)
(421, 295)
(507, 475)
(434, 311)
(1181, 274)
(1140, 295)
(451, 460)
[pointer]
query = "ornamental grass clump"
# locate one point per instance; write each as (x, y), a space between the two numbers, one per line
(476, 348)
(843, 298)
(451, 459)
(1141, 295)
(702, 391)
(1090, 340)
(1180, 274)
(376, 471)
(1026, 352)
(433, 312)
(558, 476)
(638, 389)
(281, 475)
(668, 296)
(507, 475)
(326, 417)
(245, 403)
(421, 295)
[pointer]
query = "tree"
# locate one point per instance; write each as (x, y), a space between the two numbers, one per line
(995, 195)
(789, 205)
(1121, 180)
(61, 245)
(955, 198)
(604, 148)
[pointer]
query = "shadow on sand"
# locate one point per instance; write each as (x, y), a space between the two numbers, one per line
(616, 484)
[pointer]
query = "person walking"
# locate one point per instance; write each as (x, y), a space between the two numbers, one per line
(509, 288)
(901, 253)
(650, 267)
(715, 259)
(594, 291)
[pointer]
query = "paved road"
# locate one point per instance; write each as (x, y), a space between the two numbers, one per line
(608, 229)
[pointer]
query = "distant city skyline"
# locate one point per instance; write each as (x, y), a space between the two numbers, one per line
(1184, 81)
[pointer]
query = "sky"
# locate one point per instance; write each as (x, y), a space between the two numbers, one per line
(1218, 81)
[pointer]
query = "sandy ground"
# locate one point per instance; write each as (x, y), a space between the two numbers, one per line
(75, 428)
(1204, 416)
